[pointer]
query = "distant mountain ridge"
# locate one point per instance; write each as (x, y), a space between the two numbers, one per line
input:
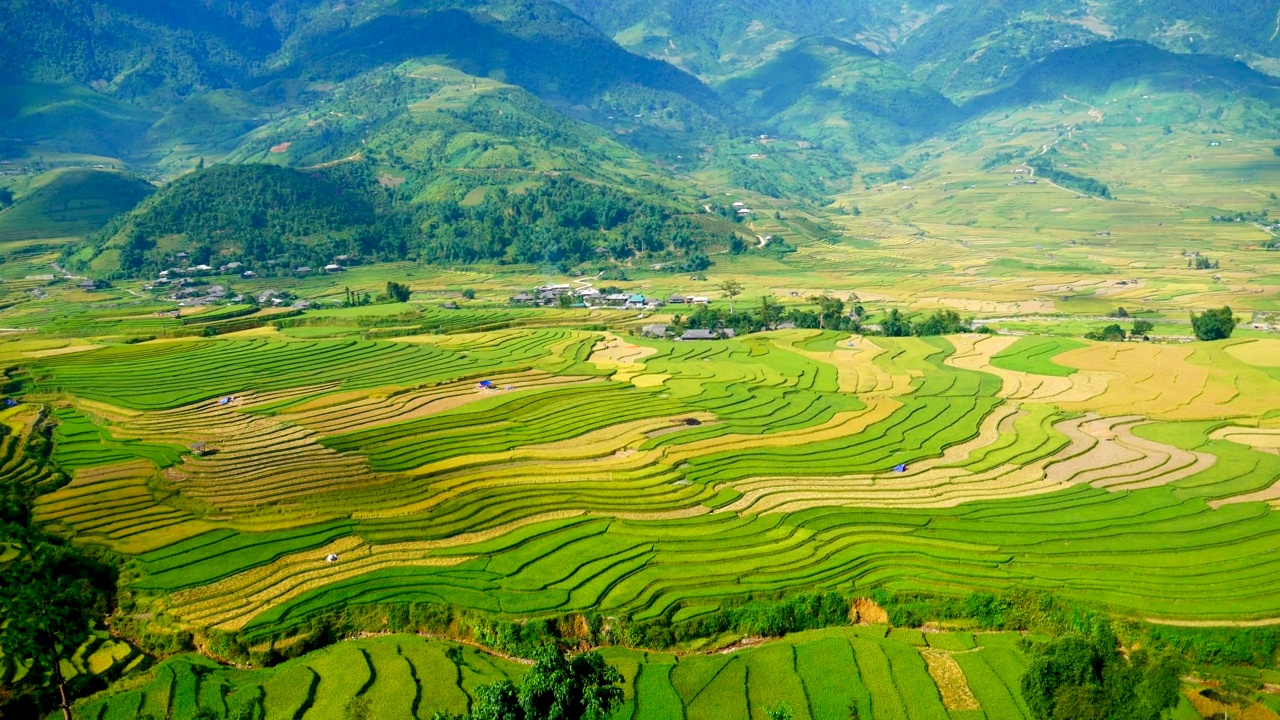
(961, 48)
(454, 110)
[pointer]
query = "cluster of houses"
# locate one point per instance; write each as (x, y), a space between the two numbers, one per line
(589, 297)
(175, 275)
(667, 332)
(185, 286)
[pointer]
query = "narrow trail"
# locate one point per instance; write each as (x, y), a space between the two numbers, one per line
(1046, 147)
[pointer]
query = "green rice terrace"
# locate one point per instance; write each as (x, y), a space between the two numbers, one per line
(609, 488)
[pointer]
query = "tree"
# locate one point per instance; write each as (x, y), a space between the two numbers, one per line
(1120, 313)
(942, 322)
(1084, 676)
(1110, 333)
(830, 311)
(558, 687)
(50, 601)
(770, 312)
(469, 294)
(398, 292)
(1214, 324)
(732, 289)
(895, 324)
(6, 197)
(1141, 328)
(737, 245)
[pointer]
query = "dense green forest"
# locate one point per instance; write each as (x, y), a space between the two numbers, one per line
(274, 219)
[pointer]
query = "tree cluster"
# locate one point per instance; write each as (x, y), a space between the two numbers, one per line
(1044, 167)
(51, 596)
(1084, 676)
(1214, 324)
(941, 322)
(557, 687)
(399, 292)
(1115, 333)
(559, 222)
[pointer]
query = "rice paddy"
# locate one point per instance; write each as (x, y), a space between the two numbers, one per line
(819, 675)
(596, 472)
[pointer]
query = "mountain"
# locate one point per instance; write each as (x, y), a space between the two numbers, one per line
(444, 119)
(242, 212)
(841, 95)
(143, 50)
(960, 48)
(540, 46)
(716, 39)
(109, 79)
(1095, 69)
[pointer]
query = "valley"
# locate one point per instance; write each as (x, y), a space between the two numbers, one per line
(803, 360)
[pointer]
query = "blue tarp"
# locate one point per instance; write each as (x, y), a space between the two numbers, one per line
(900, 468)
(486, 383)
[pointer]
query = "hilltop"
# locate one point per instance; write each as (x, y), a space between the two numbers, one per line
(273, 219)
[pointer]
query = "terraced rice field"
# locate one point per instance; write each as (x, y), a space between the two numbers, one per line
(820, 675)
(592, 471)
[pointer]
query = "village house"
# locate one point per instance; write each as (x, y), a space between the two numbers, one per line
(655, 331)
(704, 334)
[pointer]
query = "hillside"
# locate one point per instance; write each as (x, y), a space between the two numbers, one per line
(539, 46)
(141, 51)
(842, 96)
(273, 219)
(1099, 68)
(69, 203)
(240, 212)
